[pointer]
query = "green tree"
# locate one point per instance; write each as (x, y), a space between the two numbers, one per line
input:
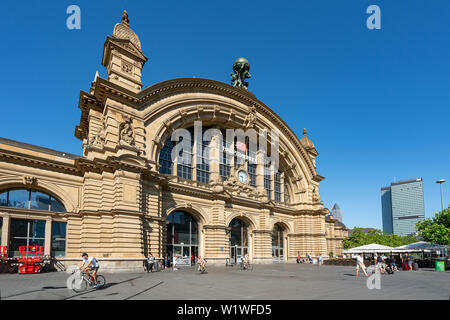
(437, 229)
(361, 237)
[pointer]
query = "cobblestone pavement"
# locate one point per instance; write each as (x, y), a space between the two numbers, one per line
(277, 281)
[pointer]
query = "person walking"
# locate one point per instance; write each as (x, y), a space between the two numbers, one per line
(150, 262)
(319, 260)
(410, 262)
(379, 264)
(174, 263)
(360, 265)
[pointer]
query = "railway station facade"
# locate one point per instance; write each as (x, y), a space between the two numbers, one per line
(130, 194)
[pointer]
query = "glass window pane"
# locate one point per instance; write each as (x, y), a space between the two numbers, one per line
(36, 242)
(56, 206)
(18, 228)
(39, 201)
(194, 232)
(37, 229)
(19, 198)
(58, 239)
(14, 244)
(59, 229)
(182, 229)
(4, 198)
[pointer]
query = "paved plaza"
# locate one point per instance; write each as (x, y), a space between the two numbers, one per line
(275, 281)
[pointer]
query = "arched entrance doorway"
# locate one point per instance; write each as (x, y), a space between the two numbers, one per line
(182, 236)
(238, 239)
(277, 243)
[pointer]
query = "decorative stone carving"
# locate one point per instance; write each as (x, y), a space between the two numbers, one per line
(29, 180)
(127, 67)
(235, 187)
(250, 119)
(126, 136)
(315, 195)
(98, 139)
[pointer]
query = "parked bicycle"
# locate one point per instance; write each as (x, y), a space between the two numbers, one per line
(83, 281)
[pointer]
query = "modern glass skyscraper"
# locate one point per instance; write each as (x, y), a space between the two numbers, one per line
(402, 206)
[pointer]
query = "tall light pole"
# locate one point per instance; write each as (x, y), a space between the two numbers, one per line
(442, 199)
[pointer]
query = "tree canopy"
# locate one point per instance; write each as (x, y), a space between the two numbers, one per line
(361, 237)
(436, 230)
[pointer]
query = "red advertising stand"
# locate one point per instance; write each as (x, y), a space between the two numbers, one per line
(3, 258)
(3, 254)
(30, 259)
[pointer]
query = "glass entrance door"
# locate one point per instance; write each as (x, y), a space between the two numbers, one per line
(236, 253)
(182, 237)
(238, 240)
(277, 254)
(277, 244)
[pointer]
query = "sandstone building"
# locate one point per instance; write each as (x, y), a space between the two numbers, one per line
(127, 196)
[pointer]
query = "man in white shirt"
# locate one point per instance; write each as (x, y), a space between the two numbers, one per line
(90, 266)
(360, 264)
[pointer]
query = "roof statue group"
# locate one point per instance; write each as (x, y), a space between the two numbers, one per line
(241, 68)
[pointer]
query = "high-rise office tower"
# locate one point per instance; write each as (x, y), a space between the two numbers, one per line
(336, 212)
(402, 206)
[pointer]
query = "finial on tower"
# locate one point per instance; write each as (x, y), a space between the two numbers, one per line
(125, 19)
(304, 131)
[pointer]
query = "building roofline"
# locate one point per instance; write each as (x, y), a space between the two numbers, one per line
(33, 147)
(406, 181)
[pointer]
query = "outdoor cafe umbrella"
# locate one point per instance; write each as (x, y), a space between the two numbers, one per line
(420, 246)
(370, 248)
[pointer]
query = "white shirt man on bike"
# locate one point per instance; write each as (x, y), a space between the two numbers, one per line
(244, 261)
(90, 266)
(201, 264)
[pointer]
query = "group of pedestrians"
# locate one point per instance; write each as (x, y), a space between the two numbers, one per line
(384, 264)
(310, 259)
(164, 263)
(169, 262)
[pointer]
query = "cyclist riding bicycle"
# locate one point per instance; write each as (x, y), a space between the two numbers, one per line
(201, 264)
(244, 261)
(91, 267)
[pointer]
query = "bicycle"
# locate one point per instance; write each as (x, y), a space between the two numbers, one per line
(248, 266)
(202, 269)
(84, 280)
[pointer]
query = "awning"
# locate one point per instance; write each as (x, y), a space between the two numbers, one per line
(371, 248)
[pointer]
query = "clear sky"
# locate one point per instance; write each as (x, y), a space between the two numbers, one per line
(375, 102)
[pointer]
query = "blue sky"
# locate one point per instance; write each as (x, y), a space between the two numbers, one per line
(375, 102)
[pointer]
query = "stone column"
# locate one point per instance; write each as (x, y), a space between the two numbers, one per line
(214, 164)
(5, 230)
(48, 236)
(260, 172)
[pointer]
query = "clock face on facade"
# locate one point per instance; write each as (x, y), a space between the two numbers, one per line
(242, 176)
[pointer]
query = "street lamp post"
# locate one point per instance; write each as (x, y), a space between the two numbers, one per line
(442, 199)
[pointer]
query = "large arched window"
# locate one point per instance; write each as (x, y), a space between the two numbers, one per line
(30, 199)
(238, 239)
(182, 235)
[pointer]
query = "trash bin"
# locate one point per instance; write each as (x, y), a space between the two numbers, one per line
(440, 265)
